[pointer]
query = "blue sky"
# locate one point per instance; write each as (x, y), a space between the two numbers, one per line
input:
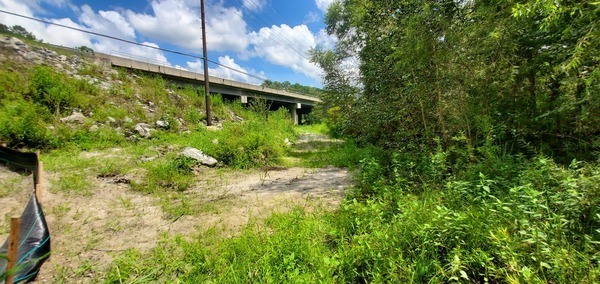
(266, 38)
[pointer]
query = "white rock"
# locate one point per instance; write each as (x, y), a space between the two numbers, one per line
(162, 124)
(143, 129)
(75, 117)
(16, 43)
(31, 56)
(198, 155)
(148, 159)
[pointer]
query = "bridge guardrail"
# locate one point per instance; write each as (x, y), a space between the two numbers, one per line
(154, 66)
(150, 61)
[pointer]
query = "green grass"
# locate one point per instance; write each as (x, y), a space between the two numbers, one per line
(344, 154)
(407, 223)
(320, 128)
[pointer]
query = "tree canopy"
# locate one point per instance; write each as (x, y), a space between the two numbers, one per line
(517, 73)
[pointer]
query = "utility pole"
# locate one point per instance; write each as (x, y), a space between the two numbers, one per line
(204, 55)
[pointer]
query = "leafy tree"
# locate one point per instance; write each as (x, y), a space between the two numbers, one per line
(339, 93)
(4, 28)
(517, 73)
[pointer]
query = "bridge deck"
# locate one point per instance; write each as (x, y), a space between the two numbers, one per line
(217, 85)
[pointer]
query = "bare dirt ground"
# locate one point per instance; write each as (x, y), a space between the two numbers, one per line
(89, 230)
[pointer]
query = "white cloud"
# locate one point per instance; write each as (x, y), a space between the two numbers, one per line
(286, 46)
(254, 5)
(28, 5)
(103, 22)
(324, 4)
(312, 17)
(172, 21)
(57, 3)
(66, 37)
(227, 73)
(195, 66)
(107, 22)
(230, 73)
(226, 29)
(178, 22)
(23, 8)
(150, 53)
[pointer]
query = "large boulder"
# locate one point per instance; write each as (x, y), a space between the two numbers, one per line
(199, 156)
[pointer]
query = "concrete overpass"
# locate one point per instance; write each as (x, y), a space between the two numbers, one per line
(297, 104)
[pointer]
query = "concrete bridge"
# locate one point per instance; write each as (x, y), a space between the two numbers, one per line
(297, 104)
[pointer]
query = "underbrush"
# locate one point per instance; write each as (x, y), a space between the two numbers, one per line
(412, 218)
(540, 225)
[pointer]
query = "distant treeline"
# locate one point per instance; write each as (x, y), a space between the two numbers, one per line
(294, 88)
(18, 31)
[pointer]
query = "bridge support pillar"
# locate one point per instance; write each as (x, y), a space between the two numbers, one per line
(244, 99)
(293, 111)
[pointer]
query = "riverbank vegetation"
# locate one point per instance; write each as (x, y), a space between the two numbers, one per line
(479, 125)
(473, 129)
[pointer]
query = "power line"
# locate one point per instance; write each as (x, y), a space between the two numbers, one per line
(99, 34)
(130, 42)
(282, 35)
(282, 17)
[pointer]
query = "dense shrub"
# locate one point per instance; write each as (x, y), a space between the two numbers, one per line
(50, 89)
(22, 123)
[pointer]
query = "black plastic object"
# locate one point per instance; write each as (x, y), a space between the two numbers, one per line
(34, 236)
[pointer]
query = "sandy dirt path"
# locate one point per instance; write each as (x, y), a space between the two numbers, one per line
(88, 231)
